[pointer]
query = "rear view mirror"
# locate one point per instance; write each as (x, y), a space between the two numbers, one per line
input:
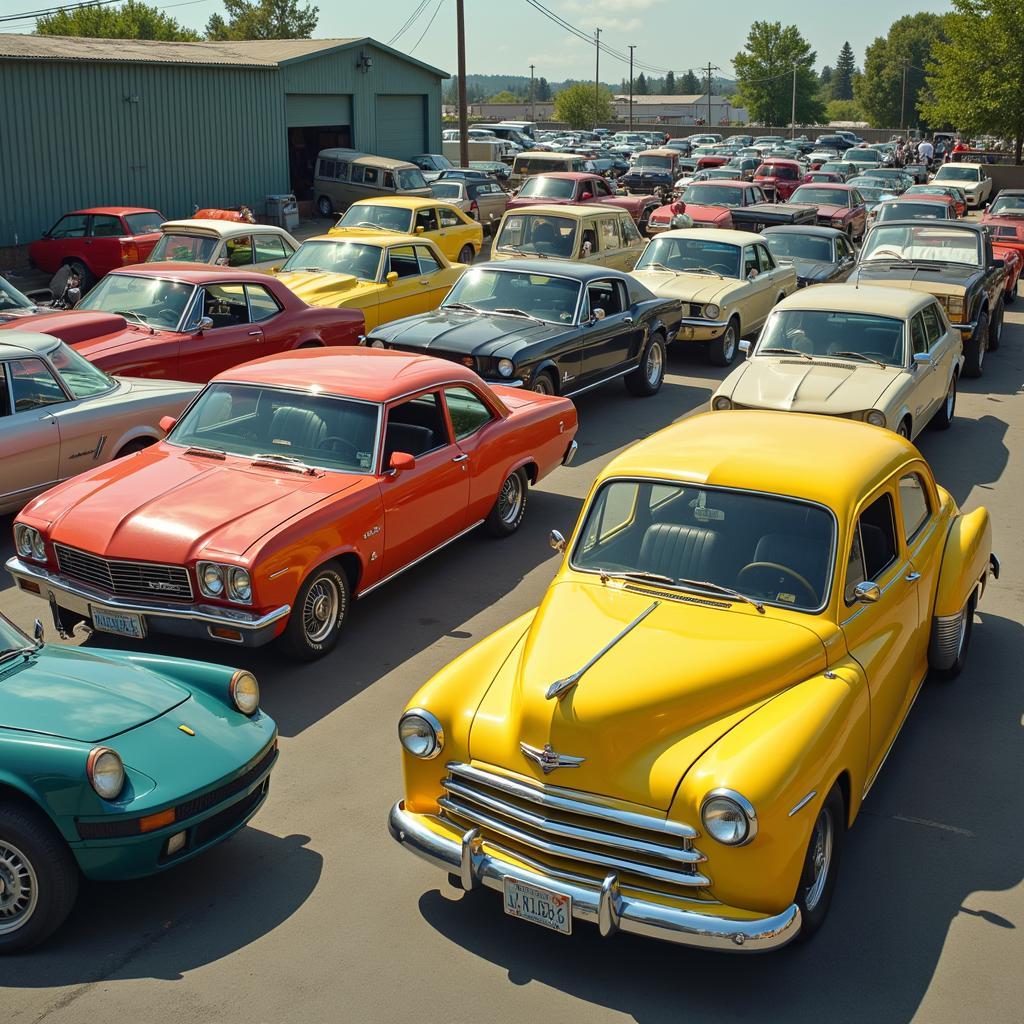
(205, 324)
(400, 462)
(167, 423)
(392, 277)
(922, 358)
(745, 345)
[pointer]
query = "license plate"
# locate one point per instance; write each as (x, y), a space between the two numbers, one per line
(122, 623)
(539, 906)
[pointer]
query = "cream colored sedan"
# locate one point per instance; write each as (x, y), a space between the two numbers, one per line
(884, 356)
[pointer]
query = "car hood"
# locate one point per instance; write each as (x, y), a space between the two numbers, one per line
(74, 326)
(708, 214)
(644, 713)
(688, 287)
(827, 210)
(78, 694)
(166, 506)
(323, 289)
(795, 385)
(465, 333)
(948, 278)
(809, 270)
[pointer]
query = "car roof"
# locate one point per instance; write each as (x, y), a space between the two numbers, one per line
(771, 452)
(378, 238)
(818, 230)
(575, 212)
(221, 228)
(557, 268)
(401, 202)
(1009, 192)
(965, 163)
(934, 225)
(116, 211)
(724, 181)
(18, 344)
(895, 302)
(782, 160)
(567, 175)
(713, 234)
(190, 273)
(835, 186)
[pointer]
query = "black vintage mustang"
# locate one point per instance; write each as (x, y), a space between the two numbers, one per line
(551, 326)
(819, 255)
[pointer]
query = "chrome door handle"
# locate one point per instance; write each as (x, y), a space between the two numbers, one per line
(912, 577)
(627, 319)
(255, 334)
(460, 458)
(424, 280)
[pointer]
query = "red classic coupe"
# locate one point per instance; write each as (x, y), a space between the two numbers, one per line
(182, 321)
(779, 178)
(839, 206)
(93, 242)
(274, 501)
(577, 187)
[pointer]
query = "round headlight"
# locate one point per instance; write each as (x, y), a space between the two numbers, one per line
(23, 540)
(420, 733)
(711, 310)
(720, 402)
(729, 818)
(376, 343)
(876, 418)
(506, 367)
(239, 584)
(105, 771)
(212, 578)
(245, 692)
(38, 547)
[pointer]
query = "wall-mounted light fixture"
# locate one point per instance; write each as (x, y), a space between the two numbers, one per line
(131, 99)
(364, 63)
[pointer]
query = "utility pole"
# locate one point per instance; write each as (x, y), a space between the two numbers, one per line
(631, 49)
(533, 105)
(903, 97)
(460, 32)
(792, 133)
(709, 69)
(597, 72)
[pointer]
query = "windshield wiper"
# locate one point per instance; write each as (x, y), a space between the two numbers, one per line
(463, 305)
(858, 355)
(654, 263)
(137, 316)
(522, 252)
(788, 352)
(635, 574)
(507, 311)
(284, 462)
(718, 588)
(13, 652)
(703, 270)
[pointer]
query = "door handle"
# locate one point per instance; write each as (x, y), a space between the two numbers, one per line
(424, 280)
(460, 458)
(912, 577)
(255, 334)
(627, 319)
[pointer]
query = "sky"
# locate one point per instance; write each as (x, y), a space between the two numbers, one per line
(506, 36)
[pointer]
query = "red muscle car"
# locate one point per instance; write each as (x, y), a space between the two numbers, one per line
(779, 178)
(275, 501)
(95, 241)
(576, 187)
(183, 321)
(838, 206)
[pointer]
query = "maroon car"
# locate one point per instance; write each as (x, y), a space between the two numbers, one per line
(838, 206)
(181, 321)
(576, 187)
(779, 178)
(93, 242)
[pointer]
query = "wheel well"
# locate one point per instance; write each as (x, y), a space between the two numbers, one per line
(531, 471)
(352, 568)
(550, 370)
(843, 782)
(909, 420)
(313, 343)
(135, 444)
(739, 325)
(11, 795)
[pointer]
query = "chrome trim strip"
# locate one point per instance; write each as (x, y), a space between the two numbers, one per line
(512, 382)
(597, 384)
(570, 454)
(899, 572)
(638, 916)
(693, 321)
(803, 803)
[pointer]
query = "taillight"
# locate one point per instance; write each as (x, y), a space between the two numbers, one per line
(474, 209)
(130, 251)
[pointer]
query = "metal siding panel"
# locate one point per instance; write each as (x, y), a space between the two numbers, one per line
(401, 131)
(305, 110)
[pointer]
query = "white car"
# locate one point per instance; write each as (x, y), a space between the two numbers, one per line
(972, 179)
(225, 243)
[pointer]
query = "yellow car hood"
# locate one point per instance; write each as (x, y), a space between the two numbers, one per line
(329, 289)
(688, 287)
(644, 713)
(797, 385)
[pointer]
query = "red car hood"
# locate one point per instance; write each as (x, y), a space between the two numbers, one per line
(76, 326)
(831, 211)
(165, 506)
(708, 214)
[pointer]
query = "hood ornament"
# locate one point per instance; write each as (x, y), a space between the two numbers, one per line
(560, 688)
(548, 759)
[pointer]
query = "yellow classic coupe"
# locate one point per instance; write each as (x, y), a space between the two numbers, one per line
(387, 276)
(675, 742)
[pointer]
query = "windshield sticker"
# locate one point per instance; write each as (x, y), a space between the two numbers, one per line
(786, 598)
(703, 514)
(364, 459)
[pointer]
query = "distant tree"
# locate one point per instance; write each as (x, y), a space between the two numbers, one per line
(825, 82)
(505, 96)
(581, 106)
(640, 85)
(764, 72)
(542, 91)
(132, 20)
(846, 65)
(843, 110)
(689, 85)
(670, 83)
(264, 19)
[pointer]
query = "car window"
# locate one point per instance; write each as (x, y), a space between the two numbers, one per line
(468, 413)
(33, 385)
(933, 326)
(402, 261)
(914, 505)
(588, 244)
(764, 258)
(105, 226)
(270, 247)
(918, 335)
(144, 223)
(448, 217)
(262, 305)
(606, 296)
(609, 233)
(416, 427)
(874, 548)
(72, 226)
(630, 233)
(225, 305)
(428, 262)
(750, 261)
(238, 251)
(389, 180)
(426, 219)
(5, 401)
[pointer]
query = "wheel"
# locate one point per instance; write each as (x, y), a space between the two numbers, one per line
(904, 428)
(544, 383)
(995, 329)
(944, 414)
(821, 864)
(722, 351)
(85, 275)
(509, 507)
(647, 378)
(466, 255)
(38, 878)
(974, 350)
(966, 628)
(318, 613)
(324, 207)
(138, 445)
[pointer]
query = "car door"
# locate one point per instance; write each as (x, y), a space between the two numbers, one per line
(408, 292)
(269, 252)
(426, 505)
(474, 426)
(608, 337)
(277, 333)
(757, 302)
(437, 283)
(65, 240)
(30, 448)
(881, 635)
(239, 252)
(455, 233)
(923, 378)
(102, 243)
(943, 346)
(426, 225)
(228, 340)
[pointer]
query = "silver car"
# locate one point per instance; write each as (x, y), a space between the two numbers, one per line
(484, 201)
(60, 415)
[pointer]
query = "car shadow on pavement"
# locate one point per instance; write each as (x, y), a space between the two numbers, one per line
(172, 923)
(984, 438)
(937, 834)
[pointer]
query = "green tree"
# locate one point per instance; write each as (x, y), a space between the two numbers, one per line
(640, 87)
(688, 85)
(670, 83)
(542, 90)
(764, 72)
(846, 67)
(825, 83)
(581, 106)
(843, 110)
(263, 19)
(969, 83)
(505, 96)
(130, 21)
(911, 41)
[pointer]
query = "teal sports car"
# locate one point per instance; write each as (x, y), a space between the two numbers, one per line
(115, 765)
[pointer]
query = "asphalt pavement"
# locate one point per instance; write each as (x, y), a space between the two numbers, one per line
(314, 914)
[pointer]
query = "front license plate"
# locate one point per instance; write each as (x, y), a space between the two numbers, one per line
(122, 623)
(540, 906)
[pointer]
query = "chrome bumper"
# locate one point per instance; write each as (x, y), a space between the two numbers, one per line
(193, 620)
(570, 453)
(510, 382)
(605, 906)
(696, 321)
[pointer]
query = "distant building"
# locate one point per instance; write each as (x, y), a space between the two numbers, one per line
(679, 109)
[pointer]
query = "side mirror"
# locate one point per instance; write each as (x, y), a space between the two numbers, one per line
(867, 592)
(922, 358)
(400, 462)
(556, 540)
(751, 275)
(391, 278)
(167, 423)
(597, 315)
(745, 346)
(419, 229)
(205, 324)
(585, 196)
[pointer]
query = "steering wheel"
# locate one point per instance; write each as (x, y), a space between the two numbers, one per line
(792, 574)
(721, 268)
(887, 250)
(332, 442)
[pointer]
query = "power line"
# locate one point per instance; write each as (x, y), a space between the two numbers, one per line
(46, 12)
(409, 21)
(429, 23)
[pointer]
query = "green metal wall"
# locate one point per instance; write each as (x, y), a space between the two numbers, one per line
(196, 135)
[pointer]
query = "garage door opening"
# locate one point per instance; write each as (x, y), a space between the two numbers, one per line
(303, 146)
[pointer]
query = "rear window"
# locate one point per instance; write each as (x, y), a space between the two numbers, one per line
(144, 223)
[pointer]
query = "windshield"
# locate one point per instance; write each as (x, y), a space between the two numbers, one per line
(248, 420)
(446, 190)
(548, 298)
(355, 258)
(713, 195)
(824, 196)
(11, 298)
(691, 255)
(664, 162)
(182, 248)
(548, 188)
(82, 378)
(770, 549)
(538, 233)
(11, 638)
(911, 211)
(144, 223)
(816, 332)
(388, 218)
(782, 171)
(950, 172)
(159, 302)
(799, 247)
(923, 242)
(411, 177)
(1004, 205)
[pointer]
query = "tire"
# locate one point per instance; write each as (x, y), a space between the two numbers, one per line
(138, 445)
(510, 505)
(903, 430)
(944, 414)
(85, 275)
(995, 328)
(466, 255)
(318, 614)
(39, 875)
(722, 351)
(974, 350)
(821, 864)
(544, 383)
(647, 378)
(324, 207)
(966, 630)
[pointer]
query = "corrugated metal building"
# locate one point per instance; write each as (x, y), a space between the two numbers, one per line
(93, 122)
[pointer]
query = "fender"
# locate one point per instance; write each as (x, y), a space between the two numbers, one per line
(525, 460)
(137, 433)
(549, 364)
(965, 560)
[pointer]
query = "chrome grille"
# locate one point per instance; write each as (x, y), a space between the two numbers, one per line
(696, 309)
(566, 829)
(128, 579)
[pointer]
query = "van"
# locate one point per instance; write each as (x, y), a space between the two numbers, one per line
(509, 132)
(526, 127)
(527, 164)
(344, 175)
(479, 149)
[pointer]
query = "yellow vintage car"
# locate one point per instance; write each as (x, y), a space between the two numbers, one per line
(387, 276)
(728, 282)
(675, 742)
(459, 237)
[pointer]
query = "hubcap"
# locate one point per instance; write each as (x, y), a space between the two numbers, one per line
(510, 500)
(19, 892)
(730, 343)
(320, 610)
(950, 400)
(820, 859)
(541, 386)
(654, 364)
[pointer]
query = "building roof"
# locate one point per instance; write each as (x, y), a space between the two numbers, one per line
(249, 53)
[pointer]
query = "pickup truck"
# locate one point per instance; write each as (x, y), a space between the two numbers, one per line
(574, 187)
(730, 204)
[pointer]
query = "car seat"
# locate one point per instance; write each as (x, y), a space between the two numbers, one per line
(800, 554)
(294, 427)
(678, 550)
(408, 438)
